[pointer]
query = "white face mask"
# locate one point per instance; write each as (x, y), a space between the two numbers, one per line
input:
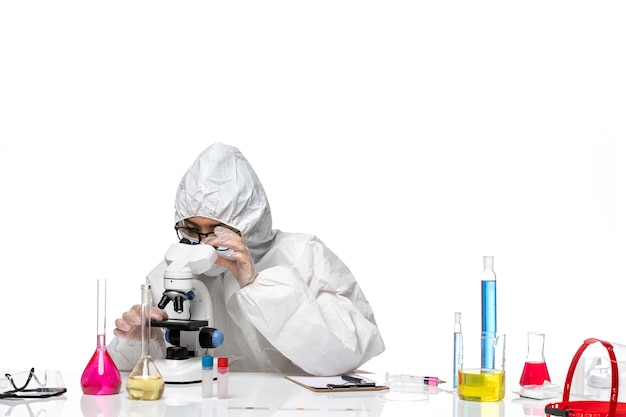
(215, 270)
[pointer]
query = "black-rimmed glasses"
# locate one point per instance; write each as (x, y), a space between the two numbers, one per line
(17, 385)
(192, 236)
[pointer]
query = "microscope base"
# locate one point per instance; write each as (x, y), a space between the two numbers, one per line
(183, 371)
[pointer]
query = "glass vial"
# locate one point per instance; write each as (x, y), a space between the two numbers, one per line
(535, 370)
(207, 376)
(488, 312)
(101, 376)
(145, 381)
(458, 350)
(222, 378)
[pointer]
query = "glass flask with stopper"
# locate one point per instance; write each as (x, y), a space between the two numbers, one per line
(145, 381)
(535, 370)
(101, 376)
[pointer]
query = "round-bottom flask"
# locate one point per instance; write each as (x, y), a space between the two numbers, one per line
(145, 381)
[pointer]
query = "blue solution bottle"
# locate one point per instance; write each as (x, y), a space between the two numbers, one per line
(488, 312)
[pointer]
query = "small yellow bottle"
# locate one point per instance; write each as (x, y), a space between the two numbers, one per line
(145, 381)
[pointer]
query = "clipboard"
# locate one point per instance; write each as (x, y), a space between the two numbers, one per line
(334, 384)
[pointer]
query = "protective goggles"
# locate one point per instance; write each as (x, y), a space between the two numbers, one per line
(32, 385)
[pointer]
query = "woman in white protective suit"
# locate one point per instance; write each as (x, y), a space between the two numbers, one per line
(284, 302)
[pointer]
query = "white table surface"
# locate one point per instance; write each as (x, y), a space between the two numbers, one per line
(264, 394)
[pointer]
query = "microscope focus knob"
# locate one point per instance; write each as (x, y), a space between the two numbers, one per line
(177, 353)
(210, 337)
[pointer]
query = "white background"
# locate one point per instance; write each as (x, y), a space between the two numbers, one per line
(412, 137)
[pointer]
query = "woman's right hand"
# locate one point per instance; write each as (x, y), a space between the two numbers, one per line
(129, 325)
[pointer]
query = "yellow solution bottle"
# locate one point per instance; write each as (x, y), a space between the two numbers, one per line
(145, 381)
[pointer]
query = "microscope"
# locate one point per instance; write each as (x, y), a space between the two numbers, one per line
(187, 301)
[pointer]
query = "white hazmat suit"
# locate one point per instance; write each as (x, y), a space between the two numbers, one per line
(304, 313)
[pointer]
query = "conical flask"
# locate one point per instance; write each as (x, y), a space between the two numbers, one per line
(535, 370)
(101, 376)
(145, 381)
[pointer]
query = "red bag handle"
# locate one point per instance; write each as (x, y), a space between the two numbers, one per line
(614, 373)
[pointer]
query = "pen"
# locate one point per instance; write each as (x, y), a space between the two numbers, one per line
(351, 387)
(354, 379)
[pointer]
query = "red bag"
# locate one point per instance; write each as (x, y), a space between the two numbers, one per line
(567, 408)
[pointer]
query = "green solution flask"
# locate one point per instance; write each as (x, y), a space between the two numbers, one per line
(145, 381)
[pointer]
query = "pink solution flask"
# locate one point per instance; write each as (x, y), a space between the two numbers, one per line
(535, 370)
(101, 376)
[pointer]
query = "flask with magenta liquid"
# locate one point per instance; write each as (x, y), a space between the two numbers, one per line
(101, 376)
(535, 370)
(145, 381)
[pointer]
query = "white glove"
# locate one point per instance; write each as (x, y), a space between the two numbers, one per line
(237, 259)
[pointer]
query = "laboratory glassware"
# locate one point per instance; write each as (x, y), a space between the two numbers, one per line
(535, 370)
(458, 350)
(478, 383)
(488, 310)
(101, 376)
(145, 381)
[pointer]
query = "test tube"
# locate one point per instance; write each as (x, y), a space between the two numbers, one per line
(207, 376)
(458, 349)
(222, 378)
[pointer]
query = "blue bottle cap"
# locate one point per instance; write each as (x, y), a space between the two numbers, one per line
(207, 361)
